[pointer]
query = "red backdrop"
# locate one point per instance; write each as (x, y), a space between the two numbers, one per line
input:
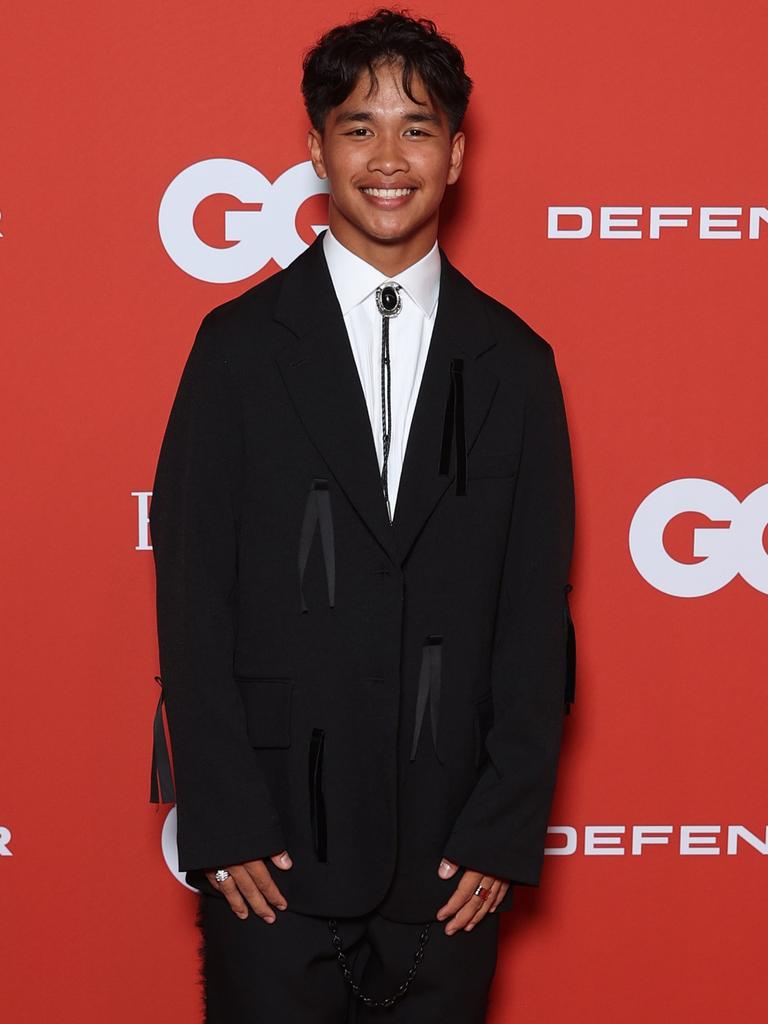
(660, 344)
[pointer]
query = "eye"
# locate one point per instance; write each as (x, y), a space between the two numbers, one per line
(419, 131)
(355, 130)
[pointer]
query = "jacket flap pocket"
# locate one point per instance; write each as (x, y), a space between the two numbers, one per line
(491, 464)
(267, 702)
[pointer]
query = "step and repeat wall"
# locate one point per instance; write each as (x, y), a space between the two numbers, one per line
(614, 194)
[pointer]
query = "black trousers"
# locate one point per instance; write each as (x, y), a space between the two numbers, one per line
(288, 973)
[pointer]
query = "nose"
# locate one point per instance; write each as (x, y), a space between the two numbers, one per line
(388, 156)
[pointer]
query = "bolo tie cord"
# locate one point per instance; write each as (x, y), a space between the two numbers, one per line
(389, 304)
(386, 407)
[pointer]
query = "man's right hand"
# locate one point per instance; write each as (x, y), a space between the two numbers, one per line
(253, 881)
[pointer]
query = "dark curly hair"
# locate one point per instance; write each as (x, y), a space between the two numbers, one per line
(333, 65)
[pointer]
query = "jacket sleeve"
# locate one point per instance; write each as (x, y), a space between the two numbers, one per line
(225, 812)
(501, 829)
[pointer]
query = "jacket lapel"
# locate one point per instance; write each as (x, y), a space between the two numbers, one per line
(321, 376)
(461, 330)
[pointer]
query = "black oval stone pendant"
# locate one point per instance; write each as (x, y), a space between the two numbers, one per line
(388, 299)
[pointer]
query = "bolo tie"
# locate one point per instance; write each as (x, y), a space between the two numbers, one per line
(389, 304)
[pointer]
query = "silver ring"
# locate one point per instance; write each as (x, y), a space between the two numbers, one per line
(222, 875)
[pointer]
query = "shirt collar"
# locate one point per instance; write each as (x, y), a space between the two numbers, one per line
(354, 279)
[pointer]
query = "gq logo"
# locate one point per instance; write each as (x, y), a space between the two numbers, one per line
(261, 235)
(733, 548)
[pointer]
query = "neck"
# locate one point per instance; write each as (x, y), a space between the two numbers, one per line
(390, 257)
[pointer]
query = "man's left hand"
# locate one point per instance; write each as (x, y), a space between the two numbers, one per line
(463, 908)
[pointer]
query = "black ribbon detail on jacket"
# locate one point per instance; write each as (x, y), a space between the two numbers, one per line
(570, 651)
(318, 508)
(453, 427)
(430, 685)
(161, 761)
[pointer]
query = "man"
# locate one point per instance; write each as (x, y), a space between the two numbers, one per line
(362, 522)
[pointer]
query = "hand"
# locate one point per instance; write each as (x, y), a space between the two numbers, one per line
(253, 881)
(465, 909)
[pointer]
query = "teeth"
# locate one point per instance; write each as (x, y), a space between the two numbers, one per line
(387, 193)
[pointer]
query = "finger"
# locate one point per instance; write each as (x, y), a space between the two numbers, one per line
(282, 860)
(472, 905)
(467, 885)
(223, 887)
(252, 893)
(447, 868)
(485, 907)
(500, 896)
(232, 893)
(468, 916)
(259, 872)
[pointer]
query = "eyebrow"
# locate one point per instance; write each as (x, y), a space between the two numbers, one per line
(365, 115)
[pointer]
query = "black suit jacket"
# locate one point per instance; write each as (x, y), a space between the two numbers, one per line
(370, 696)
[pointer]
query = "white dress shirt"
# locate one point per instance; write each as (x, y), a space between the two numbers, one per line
(410, 332)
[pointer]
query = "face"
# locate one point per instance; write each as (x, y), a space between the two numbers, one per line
(388, 161)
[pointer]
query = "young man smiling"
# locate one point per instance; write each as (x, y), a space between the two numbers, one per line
(388, 158)
(370, 744)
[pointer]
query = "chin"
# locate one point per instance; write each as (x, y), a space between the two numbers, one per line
(389, 232)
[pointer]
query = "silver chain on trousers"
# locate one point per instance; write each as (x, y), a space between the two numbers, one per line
(369, 1000)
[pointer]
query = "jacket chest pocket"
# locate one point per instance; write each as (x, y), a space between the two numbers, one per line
(267, 703)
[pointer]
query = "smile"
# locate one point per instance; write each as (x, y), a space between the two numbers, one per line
(388, 193)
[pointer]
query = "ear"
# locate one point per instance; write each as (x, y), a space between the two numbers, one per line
(315, 147)
(457, 158)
